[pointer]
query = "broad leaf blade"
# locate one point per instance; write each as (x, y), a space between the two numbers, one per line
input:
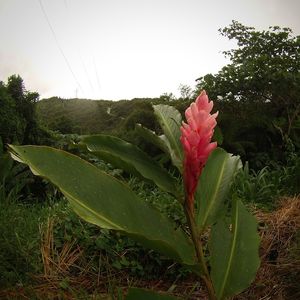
(213, 185)
(131, 159)
(152, 137)
(234, 253)
(143, 294)
(170, 120)
(103, 200)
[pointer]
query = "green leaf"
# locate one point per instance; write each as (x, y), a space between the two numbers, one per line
(142, 294)
(213, 186)
(234, 252)
(131, 159)
(218, 136)
(170, 120)
(103, 200)
(152, 137)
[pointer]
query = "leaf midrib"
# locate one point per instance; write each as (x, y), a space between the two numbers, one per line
(214, 195)
(114, 226)
(118, 227)
(171, 135)
(232, 250)
(168, 185)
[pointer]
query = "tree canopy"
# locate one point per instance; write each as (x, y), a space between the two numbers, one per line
(18, 117)
(261, 85)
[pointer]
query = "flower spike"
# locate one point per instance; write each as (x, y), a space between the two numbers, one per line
(196, 137)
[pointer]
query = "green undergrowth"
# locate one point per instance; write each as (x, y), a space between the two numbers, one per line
(22, 223)
(20, 241)
(264, 187)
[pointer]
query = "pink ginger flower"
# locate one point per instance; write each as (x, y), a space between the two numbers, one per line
(196, 140)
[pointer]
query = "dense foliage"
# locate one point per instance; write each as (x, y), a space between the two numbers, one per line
(84, 116)
(18, 121)
(258, 92)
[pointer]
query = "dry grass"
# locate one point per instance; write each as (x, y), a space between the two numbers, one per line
(68, 276)
(279, 274)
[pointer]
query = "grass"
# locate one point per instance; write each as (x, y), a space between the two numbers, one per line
(19, 241)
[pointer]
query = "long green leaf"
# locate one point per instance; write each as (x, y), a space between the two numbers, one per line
(142, 294)
(170, 120)
(213, 186)
(130, 158)
(152, 137)
(234, 252)
(103, 200)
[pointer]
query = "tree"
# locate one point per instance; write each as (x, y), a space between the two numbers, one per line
(263, 77)
(15, 87)
(167, 97)
(185, 91)
(18, 116)
(11, 126)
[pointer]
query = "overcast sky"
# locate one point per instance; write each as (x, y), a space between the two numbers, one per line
(121, 49)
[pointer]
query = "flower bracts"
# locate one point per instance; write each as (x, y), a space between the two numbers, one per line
(196, 137)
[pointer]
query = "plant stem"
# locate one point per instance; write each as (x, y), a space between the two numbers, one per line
(189, 212)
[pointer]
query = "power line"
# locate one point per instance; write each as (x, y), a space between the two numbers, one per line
(97, 77)
(85, 70)
(58, 45)
(77, 48)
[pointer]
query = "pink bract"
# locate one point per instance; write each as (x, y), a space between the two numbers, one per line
(196, 137)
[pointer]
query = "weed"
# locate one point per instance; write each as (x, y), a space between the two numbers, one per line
(255, 187)
(264, 187)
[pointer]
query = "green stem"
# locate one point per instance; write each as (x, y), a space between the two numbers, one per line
(189, 212)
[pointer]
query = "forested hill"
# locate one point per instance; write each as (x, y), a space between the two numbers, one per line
(84, 116)
(245, 132)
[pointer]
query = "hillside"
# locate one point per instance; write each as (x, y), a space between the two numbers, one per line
(83, 116)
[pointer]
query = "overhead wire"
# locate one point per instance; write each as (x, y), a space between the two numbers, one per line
(58, 45)
(77, 48)
(85, 71)
(96, 72)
